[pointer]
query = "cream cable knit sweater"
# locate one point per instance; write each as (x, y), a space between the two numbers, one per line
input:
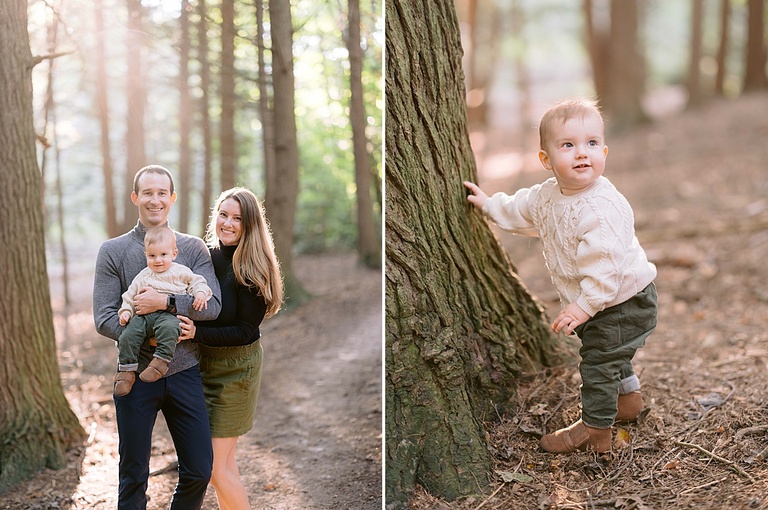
(177, 279)
(589, 240)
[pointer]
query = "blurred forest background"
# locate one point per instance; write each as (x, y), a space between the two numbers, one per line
(642, 59)
(197, 86)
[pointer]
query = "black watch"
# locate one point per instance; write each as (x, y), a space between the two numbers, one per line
(171, 304)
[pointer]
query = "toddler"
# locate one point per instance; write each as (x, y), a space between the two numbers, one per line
(602, 275)
(165, 276)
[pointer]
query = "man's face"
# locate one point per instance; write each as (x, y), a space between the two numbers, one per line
(154, 199)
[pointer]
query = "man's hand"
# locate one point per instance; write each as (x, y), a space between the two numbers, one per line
(571, 317)
(149, 300)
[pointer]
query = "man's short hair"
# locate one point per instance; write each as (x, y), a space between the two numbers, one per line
(153, 169)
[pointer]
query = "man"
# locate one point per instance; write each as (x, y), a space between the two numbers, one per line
(179, 395)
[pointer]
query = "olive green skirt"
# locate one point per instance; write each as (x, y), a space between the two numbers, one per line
(231, 382)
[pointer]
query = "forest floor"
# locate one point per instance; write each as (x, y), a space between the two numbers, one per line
(317, 436)
(698, 184)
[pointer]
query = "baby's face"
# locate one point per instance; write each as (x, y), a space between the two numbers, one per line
(576, 153)
(160, 256)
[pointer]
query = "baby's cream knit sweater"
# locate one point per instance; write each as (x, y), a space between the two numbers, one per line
(590, 247)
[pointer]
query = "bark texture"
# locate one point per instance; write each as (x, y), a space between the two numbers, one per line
(459, 325)
(36, 424)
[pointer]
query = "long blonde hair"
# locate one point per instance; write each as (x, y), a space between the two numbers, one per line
(254, 262)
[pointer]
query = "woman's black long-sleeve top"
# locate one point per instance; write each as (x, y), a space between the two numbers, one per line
(242, 308)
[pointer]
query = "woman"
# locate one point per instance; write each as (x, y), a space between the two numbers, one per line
(243, 257)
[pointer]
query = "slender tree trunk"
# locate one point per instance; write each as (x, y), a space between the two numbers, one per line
(597, 43)
(136, 105)
(283, 212)
(266, 113)
(185, 119)
(695, 94)
(37, 425)
(460, 325)
(205, 116)
(102, 99)
(722, 50)
(754, 72)
(227, 136)
(368, 242)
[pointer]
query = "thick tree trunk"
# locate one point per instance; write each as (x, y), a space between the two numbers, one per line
(266, 113)
(754, 70)
(459, 325)
(368, 240)
(36, 424)
(695, 94)
(283, 212)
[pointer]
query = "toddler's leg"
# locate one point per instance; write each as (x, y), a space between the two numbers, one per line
(166, 328)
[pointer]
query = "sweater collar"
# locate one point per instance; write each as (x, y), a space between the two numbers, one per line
(140, 230)
(229, 251)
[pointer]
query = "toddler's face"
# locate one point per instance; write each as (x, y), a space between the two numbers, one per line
(160, 256)
(576, 152)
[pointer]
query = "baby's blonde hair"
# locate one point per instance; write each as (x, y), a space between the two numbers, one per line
(161, 234)
(564, 111)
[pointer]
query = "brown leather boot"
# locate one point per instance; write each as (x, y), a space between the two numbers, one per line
(156, 369)
(123, 383)
(577, 437)
(630, 406)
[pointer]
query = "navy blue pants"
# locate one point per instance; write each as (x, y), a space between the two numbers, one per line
(180, 398)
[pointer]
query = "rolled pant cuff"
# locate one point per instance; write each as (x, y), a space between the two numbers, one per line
(629, 384)
(127, 367)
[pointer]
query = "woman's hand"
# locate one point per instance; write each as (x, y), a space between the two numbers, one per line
(188, 328)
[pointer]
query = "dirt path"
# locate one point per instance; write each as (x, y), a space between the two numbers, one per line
(316, 441)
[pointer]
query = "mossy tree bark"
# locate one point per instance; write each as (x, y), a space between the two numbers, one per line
(36, 423)
(460, 327)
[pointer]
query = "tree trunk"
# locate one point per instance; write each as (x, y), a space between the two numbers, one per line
(283, 212)
(137, 101)
(597, 44)
(722, 49)
(205, 116)
(460, 325)
(695, 95)
(37, 425)
(102, 98)
(185, 120)
(622, 99)
(266, 113)
(368, 242)
(754, 72)
(227, 137)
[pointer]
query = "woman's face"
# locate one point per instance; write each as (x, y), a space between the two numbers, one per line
(228, 222)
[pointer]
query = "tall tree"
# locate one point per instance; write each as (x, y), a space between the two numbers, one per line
(205, 116)
(37, 425)
(460, 325)
(617, 62)
(368, 242)
(722, 49)
(282, 211)
(695, 94)
(266, 112)
(102, 100)
(754, 70)
(136, 105)
(185, 118)
(228, 96)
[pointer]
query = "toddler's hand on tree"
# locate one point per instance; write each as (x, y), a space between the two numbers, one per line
(477, 196)
(570, 317)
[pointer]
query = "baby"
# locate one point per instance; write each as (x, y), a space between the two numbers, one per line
(165, 276)
(602, 275)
